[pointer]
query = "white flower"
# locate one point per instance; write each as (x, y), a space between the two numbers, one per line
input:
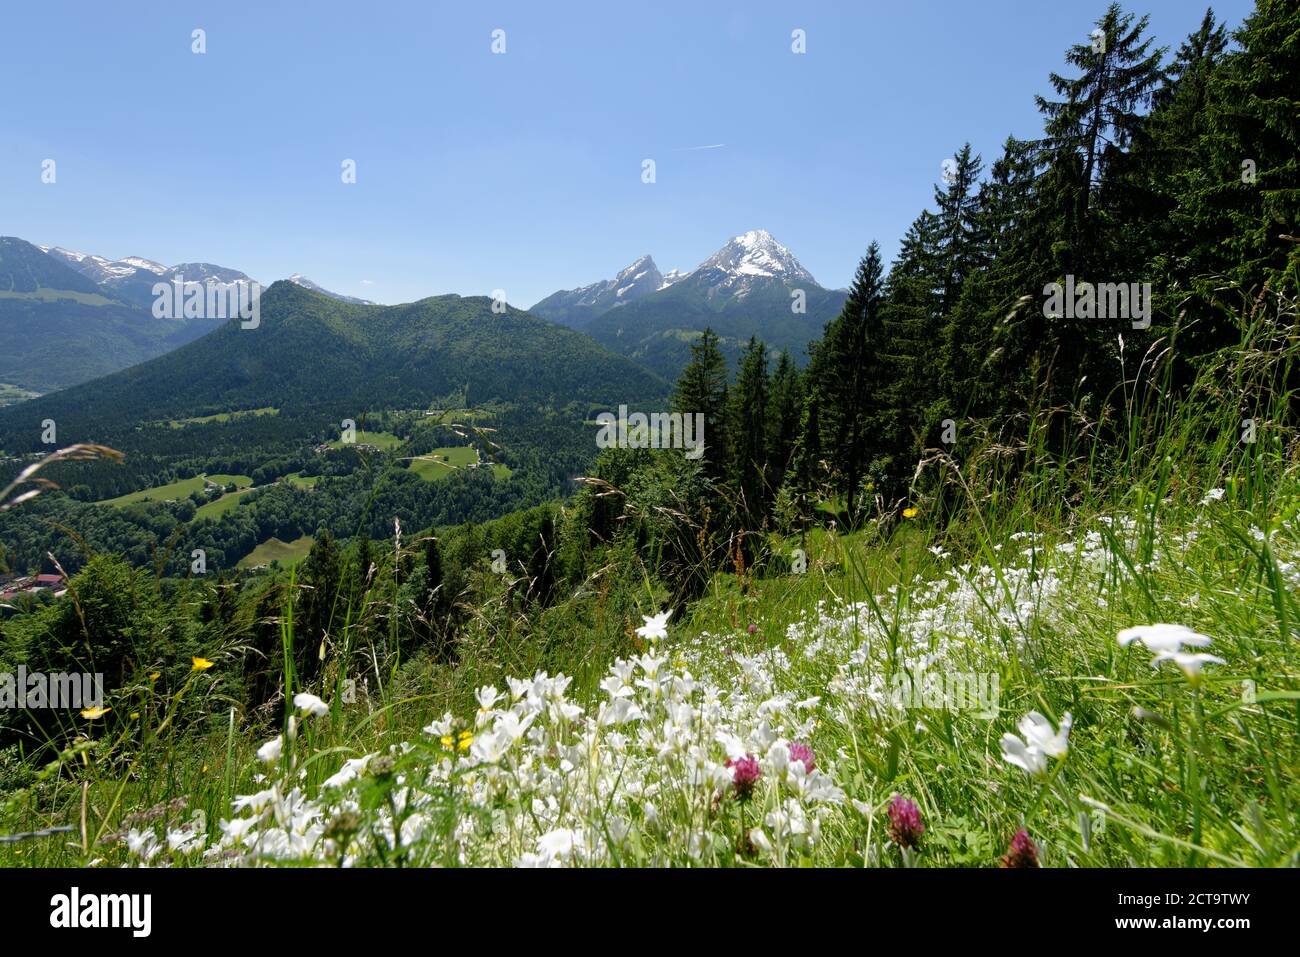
(1213, 495)
(655, 627)
(143, 844)
(185, 842)
(1039, 734)
(236, 830)
(1015, 751)
(1159, 638)
(310, 704)
(510, 725)
(442, 727)
(558, 845)
(351, 769)
(1167, 642)
(1040, 742)
(491, 747)
(487, 697)
(256, 801)
(1190, 663)
(270, 752)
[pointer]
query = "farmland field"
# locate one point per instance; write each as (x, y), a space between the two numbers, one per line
(182, 488)
(286, 553)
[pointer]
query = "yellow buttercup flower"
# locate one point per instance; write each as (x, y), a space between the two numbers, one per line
(158, 674)
(201, 664)
(911, 512)
(465, 742)
(90, 714)
(447, 741)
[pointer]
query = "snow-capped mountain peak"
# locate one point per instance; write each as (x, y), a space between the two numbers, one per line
(672, 276)
(298, 279)
(637, 279)
(756, 254)
(146, 264)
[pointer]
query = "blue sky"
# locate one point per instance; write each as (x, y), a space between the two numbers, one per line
(519, 171)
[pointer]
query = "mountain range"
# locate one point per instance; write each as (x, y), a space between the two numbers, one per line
(749, 287)
(67, 317)
(576, 308)
(131, 280)
(311, 353)
(59, 326)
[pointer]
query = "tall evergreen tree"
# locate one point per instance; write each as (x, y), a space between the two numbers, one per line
(785, 405)
(434, 605)
(1237, 209)
(702, 387)
(321, 578)
(958, 201)
(359, 573)
(804, 476)
(847, 367)
(1101, 111)
(980, 367)
(747, 433)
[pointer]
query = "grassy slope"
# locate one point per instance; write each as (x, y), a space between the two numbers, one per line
(1031, 583)
(1208, 777)
(275, 550)
(182, 488)
(441, 462)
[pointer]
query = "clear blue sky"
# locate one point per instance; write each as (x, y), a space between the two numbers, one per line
(519, 171)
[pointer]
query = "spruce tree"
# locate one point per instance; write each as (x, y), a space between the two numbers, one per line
(785, 407)
(847, 367)
(1101, 111)
(321, 578)
(435, 602)
(748, 433)
(702, 388)
(804, 477)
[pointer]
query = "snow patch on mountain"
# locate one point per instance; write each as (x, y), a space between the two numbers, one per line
(298, 279)
(755, 255)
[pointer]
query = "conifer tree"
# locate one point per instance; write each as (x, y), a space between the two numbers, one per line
(321, 580)
(702, 387)
(435, 601)
(785, 405)
(847, 367)
(958, 200)
(803, 479)
(747, 433)
(1101, 111)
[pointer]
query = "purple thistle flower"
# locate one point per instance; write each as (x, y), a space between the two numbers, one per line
(802, 752)
(745, 774)
(1022, 853)
(905, 827)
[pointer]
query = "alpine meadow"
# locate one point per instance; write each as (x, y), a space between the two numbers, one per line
(983, 554)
